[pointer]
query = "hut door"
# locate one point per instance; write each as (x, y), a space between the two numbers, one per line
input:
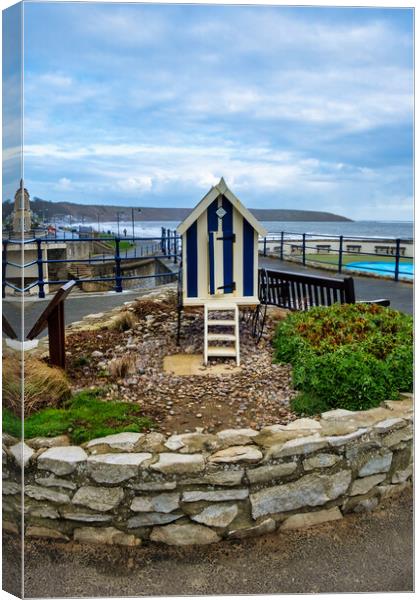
(221, 263)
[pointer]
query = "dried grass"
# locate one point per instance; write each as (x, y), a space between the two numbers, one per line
(123, 321)
(43, 385)
(122, 366)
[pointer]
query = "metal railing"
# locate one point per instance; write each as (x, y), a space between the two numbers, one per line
(167, 246)
(298, 247)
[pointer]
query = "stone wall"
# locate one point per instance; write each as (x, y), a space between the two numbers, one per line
(199, 488)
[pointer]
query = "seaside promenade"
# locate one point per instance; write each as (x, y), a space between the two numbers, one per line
(78, 305)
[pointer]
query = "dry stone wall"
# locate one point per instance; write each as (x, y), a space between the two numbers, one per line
(199, 488)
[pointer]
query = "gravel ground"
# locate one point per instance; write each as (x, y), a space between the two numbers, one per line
(371, 552)
(256, 396)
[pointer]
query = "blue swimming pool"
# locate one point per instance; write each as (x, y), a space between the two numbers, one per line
(386, 269)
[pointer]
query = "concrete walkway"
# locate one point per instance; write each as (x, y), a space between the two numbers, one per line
(369, 552)
(78, 304)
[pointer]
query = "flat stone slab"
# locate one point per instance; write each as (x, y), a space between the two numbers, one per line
(163, 503)
(184, 535)
(365, 484)
(192, 442)
(105, 535)
(45, 532)
(294, 447)
(312, 518)
(9, 488)
(388, 424)
(224, 478)
(270, 472)
(305, 423)
(379, 462)
(40, 493)
(98, 498)
(114, 468)
(215, 495)
(84, 516)
(192, 364)
(265, 526)
(337, 413)
(179, 463)
(22, 453)
(309, 490)
(49, 442)
(236, 437)
(62, 460)
(153, 518)
(216, 515)
(52, 481)
(336, 441)
(119, 441)
(320, 461)
(237, 454)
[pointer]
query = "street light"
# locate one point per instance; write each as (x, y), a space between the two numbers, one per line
(132, 218)
(118, 221)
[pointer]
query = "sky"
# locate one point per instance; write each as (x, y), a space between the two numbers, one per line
(149, 105)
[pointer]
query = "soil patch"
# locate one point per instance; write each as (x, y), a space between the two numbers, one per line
(130, 365)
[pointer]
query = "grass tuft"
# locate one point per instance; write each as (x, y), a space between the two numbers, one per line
(121, 366)
(84, 417)
(123, 321)
(42, 385)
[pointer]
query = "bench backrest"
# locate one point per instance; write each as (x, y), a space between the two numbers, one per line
(297, 291)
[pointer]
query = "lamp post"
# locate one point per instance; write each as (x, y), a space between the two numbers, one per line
(118, 222)
(132, 219)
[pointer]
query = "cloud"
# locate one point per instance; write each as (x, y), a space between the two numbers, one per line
(299, 106)
(64, 184)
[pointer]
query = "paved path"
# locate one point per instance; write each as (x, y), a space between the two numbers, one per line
(370, 552)
(79, 305)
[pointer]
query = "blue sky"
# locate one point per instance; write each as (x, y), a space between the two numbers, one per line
(306, 108)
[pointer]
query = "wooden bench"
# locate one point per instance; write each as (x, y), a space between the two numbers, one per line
(298, 291)
(53, 318)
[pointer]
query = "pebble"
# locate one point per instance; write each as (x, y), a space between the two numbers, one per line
(255, 397)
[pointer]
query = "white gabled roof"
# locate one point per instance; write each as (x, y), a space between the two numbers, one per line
(216, 190)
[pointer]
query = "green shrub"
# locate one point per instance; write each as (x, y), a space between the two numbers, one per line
(308, 404)
(346, 356)
(84, 417)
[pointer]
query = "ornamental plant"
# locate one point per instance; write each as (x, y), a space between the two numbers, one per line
(351, 356)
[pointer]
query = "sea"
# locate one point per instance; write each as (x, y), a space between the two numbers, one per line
(362, 229)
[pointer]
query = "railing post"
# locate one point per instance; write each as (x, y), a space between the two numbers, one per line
(162, 242)
(281, 244)
(41, 283)
(175, 249)
(340, 255)
(397, 259)
(303, 249)
(118, 279)
(265, 247)
(4, 266)
(168, 242)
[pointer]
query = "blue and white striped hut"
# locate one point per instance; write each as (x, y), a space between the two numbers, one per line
(220, 259)
(220, 250)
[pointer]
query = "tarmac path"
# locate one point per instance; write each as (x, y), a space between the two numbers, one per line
(369, 552)
(79, 304)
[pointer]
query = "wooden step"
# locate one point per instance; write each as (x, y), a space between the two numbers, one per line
(221, 337)
(220, 306)
(219, 351)
(221, 322)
